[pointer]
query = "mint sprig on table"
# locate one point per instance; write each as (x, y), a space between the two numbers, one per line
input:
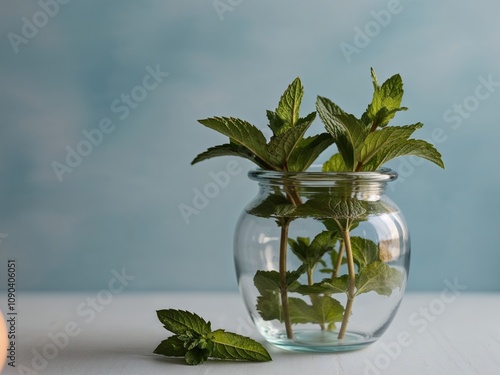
(195, 341)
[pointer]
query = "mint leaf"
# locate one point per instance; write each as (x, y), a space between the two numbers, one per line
(230, 346)
(415, 147)
(337, 284)
(269, 305)
(240, 132)
(300, 311)
(299, 247)
(313, 289)
(171, 347)
(281, 146)
(331, 286)
(331, 207)
(275, 122)
(324, 310)
(335, 164)
(364, 251)
(383, 138)
(320, 245)
(380, 278)
(327, 310)
(386, 100)
(268, 285)
(274, 205)
(230, 149)
(347, 131)
(179, 321)
(266, 281)
(307, 150)
(310, 253)
(196, 356)
(289, 104)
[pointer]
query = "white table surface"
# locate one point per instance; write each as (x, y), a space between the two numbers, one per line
(455, 337)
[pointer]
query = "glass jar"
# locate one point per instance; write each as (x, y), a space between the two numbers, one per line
(322, 258)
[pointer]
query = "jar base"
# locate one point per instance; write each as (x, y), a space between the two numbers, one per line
(321, 341)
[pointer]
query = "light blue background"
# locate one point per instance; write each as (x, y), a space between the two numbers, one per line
(120, 207)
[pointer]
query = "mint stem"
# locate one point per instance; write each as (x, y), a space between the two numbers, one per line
(294, 197)
(352, 282)
(283, 283)
(339, 260)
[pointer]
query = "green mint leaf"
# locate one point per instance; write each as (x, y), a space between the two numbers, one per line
(269, 306)
(331, 207)
(282, 145)
(333, 260)
(313, 289)
(179, 321)
(383, 138)
(171, 347)
(337, 284)
(335, 164)
(379, 278)
(275, 122)
(364, 251)
(274, 205)
(289, 105)
(300, 311)
(197, 356)
(330, 286)
(386, 100)
(333, 226)
(240, 132)
(299, 247)
(324, 310)
(230, 149)
(307, 151)
(230, 346)
(327, 310)
(268, 285)
(321, 244)
(347, 131)
(414, 147)
(266, 281)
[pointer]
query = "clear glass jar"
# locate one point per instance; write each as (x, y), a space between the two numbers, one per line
(300, 293)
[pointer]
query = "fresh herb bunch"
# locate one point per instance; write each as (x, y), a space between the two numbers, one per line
(363, 144)
(195, 341)
(367, 143)
(287, 150)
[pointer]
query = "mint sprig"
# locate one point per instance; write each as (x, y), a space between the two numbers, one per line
(195, 341)
(365, 144)
(287, 150)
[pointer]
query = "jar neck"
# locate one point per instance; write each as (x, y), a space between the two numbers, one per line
(355, 185)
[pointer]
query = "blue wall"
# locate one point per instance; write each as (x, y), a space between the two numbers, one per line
(69, 69)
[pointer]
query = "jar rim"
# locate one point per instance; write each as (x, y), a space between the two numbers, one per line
(315, 174)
